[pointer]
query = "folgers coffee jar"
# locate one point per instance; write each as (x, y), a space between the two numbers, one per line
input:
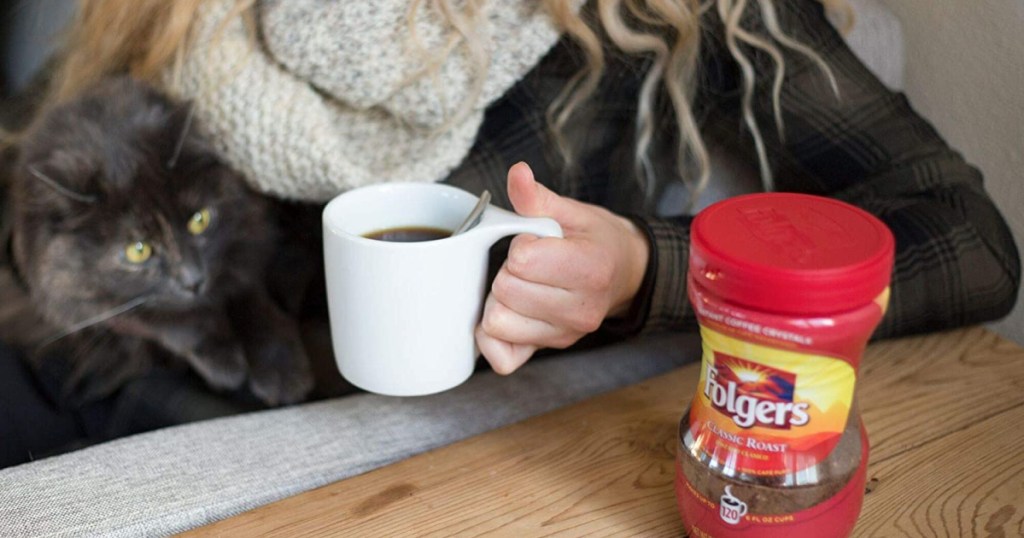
(787, 289)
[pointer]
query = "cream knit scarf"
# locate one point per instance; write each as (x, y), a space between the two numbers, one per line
(322, 103)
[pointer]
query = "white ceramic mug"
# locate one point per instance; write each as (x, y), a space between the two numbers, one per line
(402, 314)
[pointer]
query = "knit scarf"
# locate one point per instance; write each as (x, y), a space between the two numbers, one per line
(330, 95)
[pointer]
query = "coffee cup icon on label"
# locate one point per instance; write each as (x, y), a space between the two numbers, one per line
(731, 509)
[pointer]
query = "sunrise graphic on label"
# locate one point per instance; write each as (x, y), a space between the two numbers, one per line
(754, 394)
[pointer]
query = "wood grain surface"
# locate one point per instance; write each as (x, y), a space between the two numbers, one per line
(945, 414)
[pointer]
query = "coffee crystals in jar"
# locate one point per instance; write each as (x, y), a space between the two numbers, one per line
(787, 289)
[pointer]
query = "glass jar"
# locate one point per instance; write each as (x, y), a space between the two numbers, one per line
(787, 289)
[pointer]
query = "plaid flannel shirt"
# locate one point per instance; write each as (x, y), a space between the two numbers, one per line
(956, 262)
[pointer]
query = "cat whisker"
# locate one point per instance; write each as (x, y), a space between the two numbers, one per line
(53, 184)
(99, 318)
(181, 138)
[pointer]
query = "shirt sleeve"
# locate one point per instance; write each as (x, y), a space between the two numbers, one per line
(956, 262)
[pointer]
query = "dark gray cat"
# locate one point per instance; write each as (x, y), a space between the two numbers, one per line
(132, 242)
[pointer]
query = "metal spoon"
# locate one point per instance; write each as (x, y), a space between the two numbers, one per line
(474, 215)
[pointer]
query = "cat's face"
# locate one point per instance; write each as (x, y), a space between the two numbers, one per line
(112, 206)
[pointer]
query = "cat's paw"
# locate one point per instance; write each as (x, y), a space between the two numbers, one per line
(221, 364)
(279, 373)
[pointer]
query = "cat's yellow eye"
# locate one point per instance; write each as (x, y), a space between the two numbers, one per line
(199, 221)
(138, 252)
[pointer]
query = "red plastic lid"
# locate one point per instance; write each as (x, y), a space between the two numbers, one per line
(790, 253)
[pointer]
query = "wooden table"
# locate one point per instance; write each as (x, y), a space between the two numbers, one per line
(945, 415)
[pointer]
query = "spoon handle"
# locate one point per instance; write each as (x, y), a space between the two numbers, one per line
(474, 215)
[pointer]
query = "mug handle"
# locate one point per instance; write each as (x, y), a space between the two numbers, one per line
(497, 223)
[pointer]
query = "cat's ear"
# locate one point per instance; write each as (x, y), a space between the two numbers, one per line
(62, 173)
(59, 188)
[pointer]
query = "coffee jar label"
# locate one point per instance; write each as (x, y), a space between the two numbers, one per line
(766, 411)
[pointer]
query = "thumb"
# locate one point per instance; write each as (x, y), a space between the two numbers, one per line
(531, 199)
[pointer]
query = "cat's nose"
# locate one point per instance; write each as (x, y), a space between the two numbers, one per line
(191, 279)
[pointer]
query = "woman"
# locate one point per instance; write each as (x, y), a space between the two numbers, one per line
(608, 103)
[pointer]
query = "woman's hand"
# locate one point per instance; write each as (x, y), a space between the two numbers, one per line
(551, 292)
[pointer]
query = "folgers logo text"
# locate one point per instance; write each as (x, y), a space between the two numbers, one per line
(754, 394)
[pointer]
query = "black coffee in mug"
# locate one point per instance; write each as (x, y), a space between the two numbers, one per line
(409, 234)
